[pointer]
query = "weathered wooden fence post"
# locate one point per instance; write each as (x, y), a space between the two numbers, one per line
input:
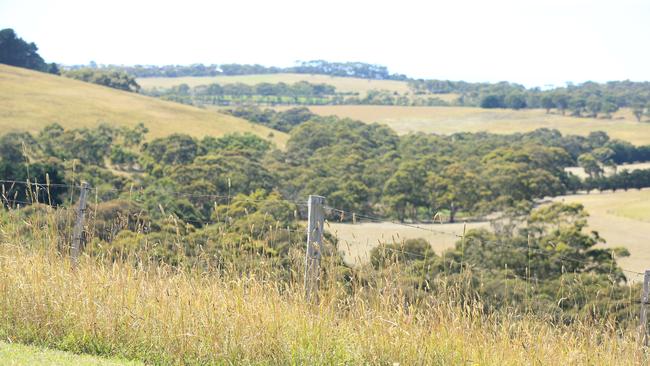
(316, 220)
(643, 318)
(77, 233)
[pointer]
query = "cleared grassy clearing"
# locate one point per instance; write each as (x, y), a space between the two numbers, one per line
(357, 240)
(448, 120)
(30, 100)
(342, 84)
(21, 355)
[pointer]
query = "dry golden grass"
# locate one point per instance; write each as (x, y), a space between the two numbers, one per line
(163, 315)
(342, 84)
(30, 100)
(447, 120)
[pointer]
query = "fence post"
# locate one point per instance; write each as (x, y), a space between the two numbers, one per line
(643, 318)
(77, 233)
(316, 220)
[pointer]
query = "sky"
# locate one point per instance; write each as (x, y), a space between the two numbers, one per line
(535, 43)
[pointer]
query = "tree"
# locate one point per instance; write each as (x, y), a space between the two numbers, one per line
(492, 101)
(561, 101)
(15, 51)
(577, 105)
(594, 105)
(590, 164)
(547, 103)
(403, 191)
(515, 101)
(638, 112)
(456, 188)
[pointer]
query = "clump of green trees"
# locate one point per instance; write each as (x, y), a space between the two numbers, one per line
(110, 78)
(15, 51)
(365, 168)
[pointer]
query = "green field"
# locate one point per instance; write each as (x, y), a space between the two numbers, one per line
(447, 120)
(20, 355)
(342, 84)
(30, 100)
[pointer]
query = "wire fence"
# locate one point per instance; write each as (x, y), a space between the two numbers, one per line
(300, 203)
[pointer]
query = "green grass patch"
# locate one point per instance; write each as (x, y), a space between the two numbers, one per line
(21, 355)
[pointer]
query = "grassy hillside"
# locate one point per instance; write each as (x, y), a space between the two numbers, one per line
(446, 120)
(342, 84)
(30, 100)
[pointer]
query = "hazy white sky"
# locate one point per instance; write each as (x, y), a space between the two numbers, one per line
(530, 42)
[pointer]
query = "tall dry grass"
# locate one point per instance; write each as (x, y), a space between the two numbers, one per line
(164, 315)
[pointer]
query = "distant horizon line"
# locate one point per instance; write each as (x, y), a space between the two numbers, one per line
(545, 86)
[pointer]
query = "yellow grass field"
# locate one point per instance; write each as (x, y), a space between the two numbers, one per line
(30, 100)
(342, 84)
(447, 120)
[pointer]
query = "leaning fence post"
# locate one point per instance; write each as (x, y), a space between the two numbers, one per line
(316, 220)
(643, 318)
(77, 233)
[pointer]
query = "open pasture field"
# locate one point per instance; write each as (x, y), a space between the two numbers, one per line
(342, 84)
(30, 100)
(448, 120)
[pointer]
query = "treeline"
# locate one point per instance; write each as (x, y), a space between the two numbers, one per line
(110, 78)
(345, 69)
(587, 99)
(299, 93)
(15, 51)
(358, 167)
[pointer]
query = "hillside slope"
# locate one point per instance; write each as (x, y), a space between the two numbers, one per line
(30, 100)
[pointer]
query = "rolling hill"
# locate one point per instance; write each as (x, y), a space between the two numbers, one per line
(30, 100)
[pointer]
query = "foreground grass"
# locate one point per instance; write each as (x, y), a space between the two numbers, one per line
(447, 120)
(21, 355)
(167, 316)
(29, 100)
